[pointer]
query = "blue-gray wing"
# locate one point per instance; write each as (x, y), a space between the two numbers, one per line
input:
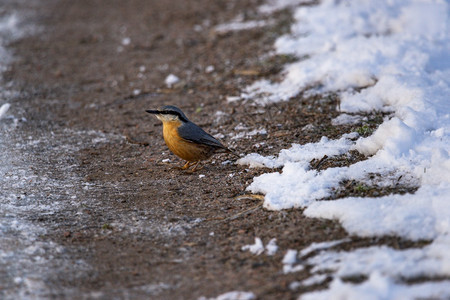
(191, 132)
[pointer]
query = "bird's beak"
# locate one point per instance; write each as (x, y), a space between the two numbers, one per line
(155, 112)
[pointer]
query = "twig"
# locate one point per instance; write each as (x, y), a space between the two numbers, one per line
(245, 212)
(316, 166)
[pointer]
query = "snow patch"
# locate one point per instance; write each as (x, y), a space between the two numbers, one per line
(388, 56)
(234, 295)
(258, 247)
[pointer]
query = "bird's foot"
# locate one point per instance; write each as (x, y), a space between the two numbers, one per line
(196, 167)
(187, 165)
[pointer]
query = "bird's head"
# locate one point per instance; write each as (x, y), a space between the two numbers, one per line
(169, 113)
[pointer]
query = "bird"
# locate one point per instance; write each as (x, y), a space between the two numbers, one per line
(185, 139)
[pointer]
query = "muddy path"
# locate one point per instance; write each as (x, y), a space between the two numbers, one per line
(129, 224)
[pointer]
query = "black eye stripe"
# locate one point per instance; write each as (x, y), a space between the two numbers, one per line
(168, 112)
(171, 112)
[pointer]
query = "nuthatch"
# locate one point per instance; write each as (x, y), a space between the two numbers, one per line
(185, 139)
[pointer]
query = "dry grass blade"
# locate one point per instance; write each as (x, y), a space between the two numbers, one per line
(250, 197)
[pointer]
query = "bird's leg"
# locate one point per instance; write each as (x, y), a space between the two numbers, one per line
(187, 165)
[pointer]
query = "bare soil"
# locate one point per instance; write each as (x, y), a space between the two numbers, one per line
(152, 230)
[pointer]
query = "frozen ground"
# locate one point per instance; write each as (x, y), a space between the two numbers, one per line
(23, 258)
(37, 187)
(390, 56)
(38, 183)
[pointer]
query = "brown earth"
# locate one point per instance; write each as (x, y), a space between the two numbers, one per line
(153, 231)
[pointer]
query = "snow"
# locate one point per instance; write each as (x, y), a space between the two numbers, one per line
(126, 41)
(239, 24)
(258, 247)
(320, 246)
(424, 215)
(289, 261)
(171, 79)
(244, 134)
(380, 287)
(409, 263)
(301, 154)
(9, 29)
(233, 98)
(290, 257)
(233, 295)
(272, 6)
(271, 247)
(4, 109)
(315, 279)
(389, 56)
(209, 69)
(344, 119)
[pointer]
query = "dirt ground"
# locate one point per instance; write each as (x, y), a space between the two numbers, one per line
(154, 231)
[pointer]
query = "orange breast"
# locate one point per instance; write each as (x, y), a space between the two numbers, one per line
(180, 147)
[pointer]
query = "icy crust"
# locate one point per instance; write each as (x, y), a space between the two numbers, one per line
(40, 182)
(32, 190)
